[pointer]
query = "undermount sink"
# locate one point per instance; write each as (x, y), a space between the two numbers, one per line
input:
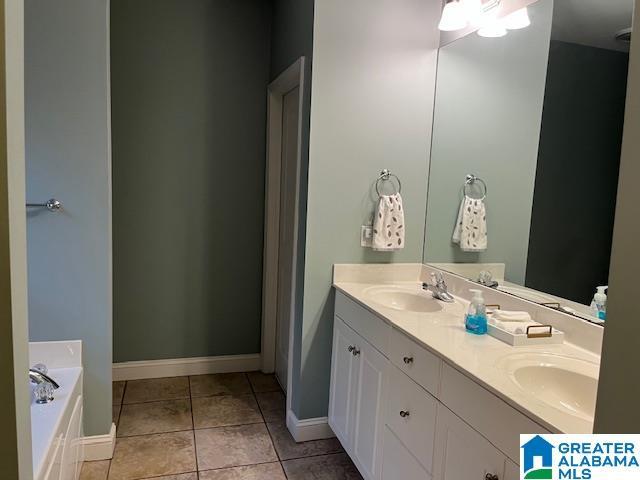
(404, 298)
(565, 383)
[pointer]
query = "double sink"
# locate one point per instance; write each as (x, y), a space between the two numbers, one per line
(559, 381)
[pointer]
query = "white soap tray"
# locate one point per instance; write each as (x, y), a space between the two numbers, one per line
(537, 335)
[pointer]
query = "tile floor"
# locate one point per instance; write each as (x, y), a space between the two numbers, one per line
(212, 427)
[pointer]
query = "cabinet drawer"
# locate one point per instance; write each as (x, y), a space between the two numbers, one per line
(416, 361)
(369, 326)
(411, 415)
(499, 422)
(398, 463)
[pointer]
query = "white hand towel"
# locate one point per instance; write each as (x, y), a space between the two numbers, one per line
(517, 328)
(388, 225)
(470, 231)
(511, 316)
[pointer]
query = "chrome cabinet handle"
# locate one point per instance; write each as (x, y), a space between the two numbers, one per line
(351, 348)
(404, 413)
(355, 352)
(491, 476)
(408, 360)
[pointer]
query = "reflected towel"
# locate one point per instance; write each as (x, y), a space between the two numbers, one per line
(388, 225)
(470, 231)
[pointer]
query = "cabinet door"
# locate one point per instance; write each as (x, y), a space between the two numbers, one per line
(343, 382)
(369, 410)
(462, 453)
(398, 463)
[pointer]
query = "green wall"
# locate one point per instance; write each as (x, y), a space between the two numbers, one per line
(189, 81)
(68, 157)
(373, 77)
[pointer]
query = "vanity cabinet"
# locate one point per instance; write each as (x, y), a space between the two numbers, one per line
(401, 412)
(462, 453)
(357, 398)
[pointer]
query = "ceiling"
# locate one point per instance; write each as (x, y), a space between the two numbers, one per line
(592, 22)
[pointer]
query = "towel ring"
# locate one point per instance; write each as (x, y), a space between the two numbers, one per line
(471, 179)
(385, 175)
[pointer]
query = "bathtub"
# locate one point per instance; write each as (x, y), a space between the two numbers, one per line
(56, 427)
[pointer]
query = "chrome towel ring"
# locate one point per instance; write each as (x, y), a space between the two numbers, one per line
(470, 180)
(385, 176)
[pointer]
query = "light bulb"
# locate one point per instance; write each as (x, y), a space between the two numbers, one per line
(517, 20)
(453, 17)
(492, 28)
(474, 11)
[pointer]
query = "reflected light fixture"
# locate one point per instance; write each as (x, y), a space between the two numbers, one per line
(517, 20)
(454, 17)
(474, 11)
(492, 27)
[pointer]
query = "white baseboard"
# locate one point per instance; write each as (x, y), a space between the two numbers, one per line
(99, 447)
(309, 429)
(177, 367)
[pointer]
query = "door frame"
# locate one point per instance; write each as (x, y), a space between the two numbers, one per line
(291, 78)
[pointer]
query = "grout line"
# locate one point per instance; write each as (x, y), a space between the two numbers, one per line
(156, 400)
(193, 429)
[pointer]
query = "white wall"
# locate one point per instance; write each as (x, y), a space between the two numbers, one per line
(68, 157)
(373, 78)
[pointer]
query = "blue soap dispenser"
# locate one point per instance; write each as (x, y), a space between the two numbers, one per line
(476, 319)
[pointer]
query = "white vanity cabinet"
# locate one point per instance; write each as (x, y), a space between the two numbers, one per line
(401, 412)
(462, 453)
(357, 396)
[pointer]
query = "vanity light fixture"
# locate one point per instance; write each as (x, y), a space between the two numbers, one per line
(517, 20)
(453, 16)
(493, 28)
(474, 11)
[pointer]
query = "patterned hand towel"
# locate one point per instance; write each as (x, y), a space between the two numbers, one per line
(388, 225)
(470, 231)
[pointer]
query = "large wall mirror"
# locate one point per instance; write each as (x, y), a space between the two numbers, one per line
(526, 151)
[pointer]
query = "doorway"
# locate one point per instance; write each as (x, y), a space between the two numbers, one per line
(281, 220)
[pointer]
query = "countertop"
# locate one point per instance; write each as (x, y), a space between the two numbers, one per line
(482, 358)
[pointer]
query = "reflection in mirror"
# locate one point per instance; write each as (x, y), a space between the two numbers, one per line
(535, 119)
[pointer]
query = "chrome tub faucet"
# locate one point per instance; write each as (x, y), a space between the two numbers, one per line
(45, 385)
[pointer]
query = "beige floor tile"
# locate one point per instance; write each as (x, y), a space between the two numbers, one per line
(273, 406)
(219, 384)
(234, 446)
(153, 456)
(265, 471)
(263, 383)
(115, 413)
(324, 467)
(95, 470)
(225, 410)
(155, 417)
(156, 389)
(287, 447)
(117, 390)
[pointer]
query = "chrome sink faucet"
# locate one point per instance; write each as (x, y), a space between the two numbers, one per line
(45, 385)
(438, 288)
